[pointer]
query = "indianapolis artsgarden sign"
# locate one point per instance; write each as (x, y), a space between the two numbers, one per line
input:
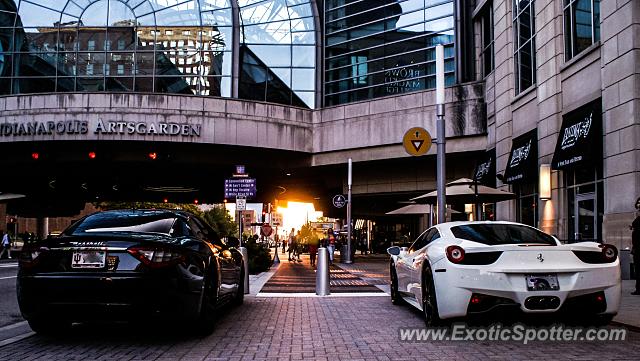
(101, 127)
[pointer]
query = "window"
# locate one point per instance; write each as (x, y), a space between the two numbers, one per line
(120, 69)
(107, 69)
(500, 233)
(486, 26)
(424, 239)
(581, 25)
(359, 69)
(524, 44)
(91, 45)
(107, 45)
(89, 69)
(527, 197)
(121, 44)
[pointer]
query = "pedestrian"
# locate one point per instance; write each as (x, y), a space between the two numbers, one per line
(291, 243)
(635, 247)
(331, 244)
(298, 247)
(6, 245)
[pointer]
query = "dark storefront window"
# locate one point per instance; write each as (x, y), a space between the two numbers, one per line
(524, 32)
(527, 203)
(579, 154)
(386, 49)
(581, 25)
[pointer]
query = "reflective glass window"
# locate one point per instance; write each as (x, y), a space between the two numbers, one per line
(381, 50)
(581, 25)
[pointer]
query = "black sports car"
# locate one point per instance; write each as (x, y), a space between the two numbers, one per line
(130, 265)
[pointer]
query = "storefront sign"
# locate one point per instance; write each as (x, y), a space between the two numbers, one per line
(101, 127)
(486, 168)
(523, 159)
(580, 138)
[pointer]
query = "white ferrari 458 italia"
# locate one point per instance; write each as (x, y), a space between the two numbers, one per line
(458, 269)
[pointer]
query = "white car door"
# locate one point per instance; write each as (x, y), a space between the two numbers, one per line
(404, 266)
(419, 258)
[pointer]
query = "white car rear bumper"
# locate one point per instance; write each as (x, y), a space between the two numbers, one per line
(456, 285)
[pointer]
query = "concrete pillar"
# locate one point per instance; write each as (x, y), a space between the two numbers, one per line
(620, 25)
(42, 227)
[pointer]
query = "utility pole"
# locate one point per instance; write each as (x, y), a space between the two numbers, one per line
(441, 168)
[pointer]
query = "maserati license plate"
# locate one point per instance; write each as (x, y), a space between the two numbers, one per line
(542, 282)
(88, 259)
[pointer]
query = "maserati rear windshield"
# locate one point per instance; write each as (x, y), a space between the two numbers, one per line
(497, 234)
(125, 221)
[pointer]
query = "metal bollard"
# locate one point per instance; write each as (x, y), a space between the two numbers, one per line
(245, 258)
(322, 273)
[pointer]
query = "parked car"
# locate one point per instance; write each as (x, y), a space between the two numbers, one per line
(458, 269)
(130, 265)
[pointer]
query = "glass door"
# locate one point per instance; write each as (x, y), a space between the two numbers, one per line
(585, 213)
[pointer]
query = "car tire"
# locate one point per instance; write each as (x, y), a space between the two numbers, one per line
(49, 326)
(238, 299)
(396, 299)
(205, 323)
(429, 299)
(601, 320)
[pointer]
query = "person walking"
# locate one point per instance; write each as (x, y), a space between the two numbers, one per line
(291, 243)
(635, 247)
(331, 244)
(6, 245)
(313, 249)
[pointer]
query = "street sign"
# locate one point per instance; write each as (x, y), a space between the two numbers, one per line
(339, 201)
(235, 187)
(276, 219)
(416, 141)
(241, 204)
(266, 230)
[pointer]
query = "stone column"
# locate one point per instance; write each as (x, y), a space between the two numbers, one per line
(620, 39)
(42, 227)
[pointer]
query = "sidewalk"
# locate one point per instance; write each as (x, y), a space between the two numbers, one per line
(629, 313)
(373, 270)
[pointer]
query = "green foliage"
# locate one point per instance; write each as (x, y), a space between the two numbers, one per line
(220, 220)
(105, 206)
(259, 256)
(308, 235)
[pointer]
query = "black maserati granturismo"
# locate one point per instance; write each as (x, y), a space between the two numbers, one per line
(130, 265)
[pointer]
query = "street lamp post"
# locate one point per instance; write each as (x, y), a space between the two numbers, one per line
(441, 151)
(349, 177)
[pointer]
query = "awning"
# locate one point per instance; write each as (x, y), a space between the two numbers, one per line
(580, 138)
(464, 190)
(523, 159)
(412, 209)
(485, 172)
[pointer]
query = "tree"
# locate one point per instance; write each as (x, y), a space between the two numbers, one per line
(192, 208)
(220, 220)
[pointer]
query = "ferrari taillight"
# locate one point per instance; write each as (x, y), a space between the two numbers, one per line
(455, 254)
(609, 252)
(156, 257)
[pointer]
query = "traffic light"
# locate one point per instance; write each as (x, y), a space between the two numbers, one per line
(92, 155)
(35, 155)
(153, 155)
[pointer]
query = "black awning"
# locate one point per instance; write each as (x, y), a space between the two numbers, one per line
(485, 172)
(523, 159)
(580, 138)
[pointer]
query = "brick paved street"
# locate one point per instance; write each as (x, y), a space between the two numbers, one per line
(358, 328)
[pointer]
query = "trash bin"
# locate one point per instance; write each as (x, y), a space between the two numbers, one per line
(626, 265)
(343, 253)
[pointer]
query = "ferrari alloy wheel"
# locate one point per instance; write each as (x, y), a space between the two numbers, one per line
(395, 295)
(429, 301)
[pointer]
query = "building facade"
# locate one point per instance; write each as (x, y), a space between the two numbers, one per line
(542, 96)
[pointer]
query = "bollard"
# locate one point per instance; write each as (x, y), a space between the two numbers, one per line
(245, 259)
(322, 273)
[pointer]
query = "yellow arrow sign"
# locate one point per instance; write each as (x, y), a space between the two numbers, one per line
(417, 141)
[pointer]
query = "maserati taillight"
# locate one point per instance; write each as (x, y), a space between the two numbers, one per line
(156, 257)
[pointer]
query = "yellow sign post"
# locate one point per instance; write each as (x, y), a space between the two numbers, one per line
(417, 141)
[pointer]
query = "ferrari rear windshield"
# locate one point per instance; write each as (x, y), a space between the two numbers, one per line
(497, 234)
(125, 221)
